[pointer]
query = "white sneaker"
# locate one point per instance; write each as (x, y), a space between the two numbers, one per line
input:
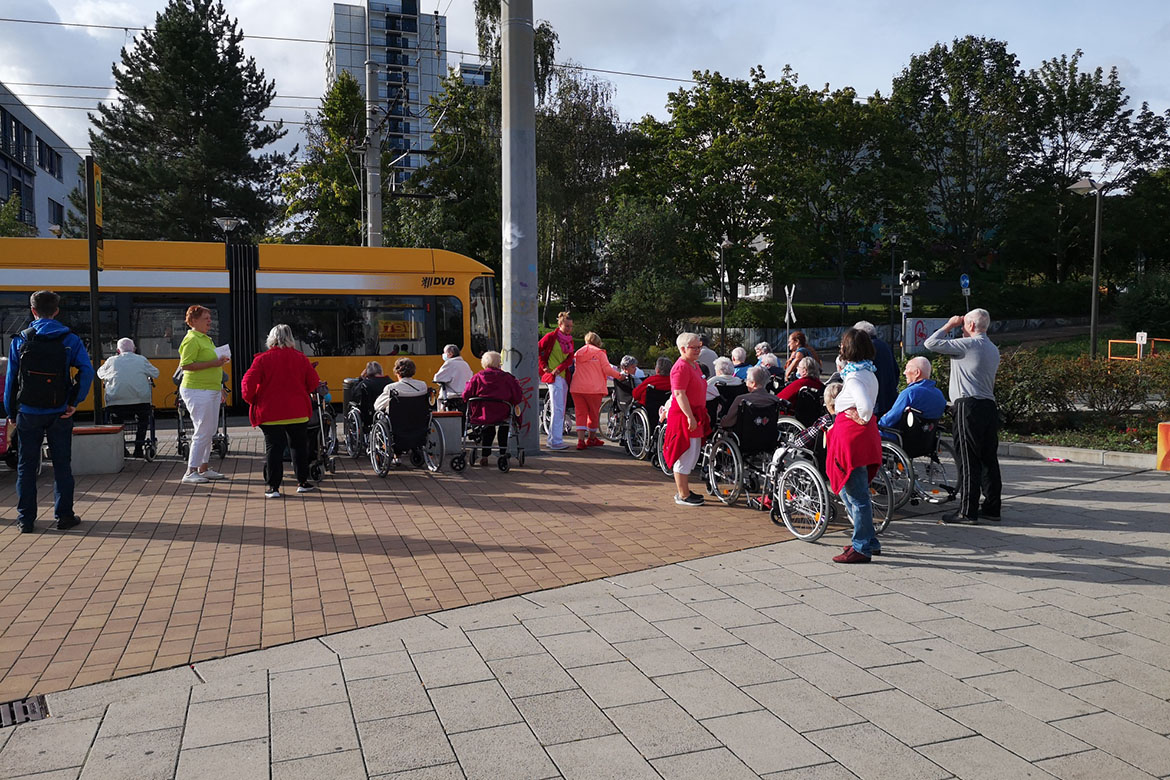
(195, 478)
(272, 494)
(558, 446)
(213, 474)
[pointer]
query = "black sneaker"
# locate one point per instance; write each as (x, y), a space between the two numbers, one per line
(64, 524)
(305, 487)
(992, 516)
(26, 529)
(954, 518)
(692, 499)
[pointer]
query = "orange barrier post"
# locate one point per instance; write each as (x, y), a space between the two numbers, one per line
(1164, 446)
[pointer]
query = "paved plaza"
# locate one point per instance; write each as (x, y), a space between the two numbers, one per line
(694, 644)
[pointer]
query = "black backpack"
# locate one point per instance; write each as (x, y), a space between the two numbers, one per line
(44, 381)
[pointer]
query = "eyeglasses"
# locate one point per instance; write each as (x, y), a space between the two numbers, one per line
(693, 346)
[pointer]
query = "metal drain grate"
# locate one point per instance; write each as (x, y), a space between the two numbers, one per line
(23, 710)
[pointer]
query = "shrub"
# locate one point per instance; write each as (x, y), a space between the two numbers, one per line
(1110, 387)
(1156, 373)
(1028, 386)
(1146, 306)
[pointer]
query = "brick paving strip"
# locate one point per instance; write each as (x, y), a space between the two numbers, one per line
(1037, 647)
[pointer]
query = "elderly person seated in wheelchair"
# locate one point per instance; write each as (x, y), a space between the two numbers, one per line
(452, 377)
(490, 396)
(757, 396)
(629, 367)
(406, 386)
(367, 389)
(659, 380)
(921, 394)
(723, 388)
(806, 376)
(128, 380)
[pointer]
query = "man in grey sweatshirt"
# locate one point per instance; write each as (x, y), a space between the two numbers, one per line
(974, 362)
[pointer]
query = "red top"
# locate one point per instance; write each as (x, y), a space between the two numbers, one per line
(278, 384)
(792, 388)
(688, 378)
(852, 446)
(544, 349)
(491, 383)
(654, 380)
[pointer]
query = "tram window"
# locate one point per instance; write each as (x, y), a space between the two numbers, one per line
(448, 321)
(75, 313)
(485, 329)
(391, 325)
(14, 317)
(315, 322)
(159, 323)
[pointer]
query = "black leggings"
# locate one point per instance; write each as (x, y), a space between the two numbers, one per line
(297, 437)
(486, 434)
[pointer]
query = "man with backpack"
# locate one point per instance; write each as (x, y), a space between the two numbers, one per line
(41, 395)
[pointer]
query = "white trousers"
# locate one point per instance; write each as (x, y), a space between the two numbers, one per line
(686, 463)
(559, 390)
(203, 406)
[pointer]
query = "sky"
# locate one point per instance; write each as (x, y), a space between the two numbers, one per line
(858, 43)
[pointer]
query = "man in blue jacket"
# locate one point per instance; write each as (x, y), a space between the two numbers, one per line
(40, 396)
(920, 393)
(885, 369)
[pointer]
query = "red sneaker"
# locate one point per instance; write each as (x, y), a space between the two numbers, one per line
(850, 556)
(581, 445)
(594, 442)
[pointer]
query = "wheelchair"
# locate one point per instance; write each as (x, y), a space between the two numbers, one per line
(129, 422)
(472, 437)
(642, 426)
(617, 411)
(737, 459)
(921, 465)
(801, 498)
(546, 415)
(407, 427)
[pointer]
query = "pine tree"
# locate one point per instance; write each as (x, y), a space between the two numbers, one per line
(323, 194)
(183, 143)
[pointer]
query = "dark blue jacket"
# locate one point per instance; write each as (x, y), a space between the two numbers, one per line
(924, 396)
(78, 358)
(886, 370)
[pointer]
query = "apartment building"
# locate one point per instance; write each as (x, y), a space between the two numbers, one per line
(36, 165)
(408, 49)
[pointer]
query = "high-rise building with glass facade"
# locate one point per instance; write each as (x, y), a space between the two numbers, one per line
(409, 50)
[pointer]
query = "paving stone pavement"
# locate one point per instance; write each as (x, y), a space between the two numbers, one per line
(1035, 647)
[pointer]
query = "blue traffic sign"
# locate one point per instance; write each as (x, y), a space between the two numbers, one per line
(964, 281)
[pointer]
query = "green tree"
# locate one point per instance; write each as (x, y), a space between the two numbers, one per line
(962, 105)
(182, 144)
(10, 223)
(323, 195)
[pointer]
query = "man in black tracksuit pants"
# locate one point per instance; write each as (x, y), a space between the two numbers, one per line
(974, 361)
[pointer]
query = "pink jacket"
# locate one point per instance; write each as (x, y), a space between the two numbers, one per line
(592, 367)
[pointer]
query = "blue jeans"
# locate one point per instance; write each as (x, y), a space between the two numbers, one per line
(31, 430)
(855, 494)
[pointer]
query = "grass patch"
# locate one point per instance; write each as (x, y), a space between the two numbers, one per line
(1129, 433)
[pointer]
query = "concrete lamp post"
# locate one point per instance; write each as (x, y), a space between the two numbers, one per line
(723, 247)
(1086, 186)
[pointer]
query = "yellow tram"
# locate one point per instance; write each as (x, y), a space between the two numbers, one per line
(345, 305)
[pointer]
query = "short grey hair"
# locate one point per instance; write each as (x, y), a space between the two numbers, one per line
(758, 376)
(977, 320)
(763, 348)
(451, 350)
(723, 366)
(832, 390)
(125, 345)
(280, 336)
(663, 365)
(684, 340)
(808, 365)
(922, 364)
(769, 360)
(492, 359)
(867, 326)
(629, 360)
(739, 355)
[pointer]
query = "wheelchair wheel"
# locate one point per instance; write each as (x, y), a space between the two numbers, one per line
(184, 448)
(659, 445)
(435, 448)
(316, 472)
(804, 502)
(787, 428)
(416, 459)
(897, 464)
(520, 458)
(458, 462)
(149, 450)
(503, 465)
(640, 434)
(725, 470)
(329, 426)
(937, 477)
(883, 498)
(380, 447)
(220, 445)
(614, 420)
(352, 431)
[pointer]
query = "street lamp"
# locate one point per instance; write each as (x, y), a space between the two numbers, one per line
(227, 225)
(723, 247)
(1084, 187)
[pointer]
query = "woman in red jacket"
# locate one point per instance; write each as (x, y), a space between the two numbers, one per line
(492, 384)
(277, 388)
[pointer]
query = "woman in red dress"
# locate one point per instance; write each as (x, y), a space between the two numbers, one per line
(686, 422)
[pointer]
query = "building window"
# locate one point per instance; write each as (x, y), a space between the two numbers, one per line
(56, 213)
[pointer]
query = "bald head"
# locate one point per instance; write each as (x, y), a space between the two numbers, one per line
(917, 369)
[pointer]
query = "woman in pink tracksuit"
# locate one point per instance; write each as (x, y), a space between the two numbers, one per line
(588, 388)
